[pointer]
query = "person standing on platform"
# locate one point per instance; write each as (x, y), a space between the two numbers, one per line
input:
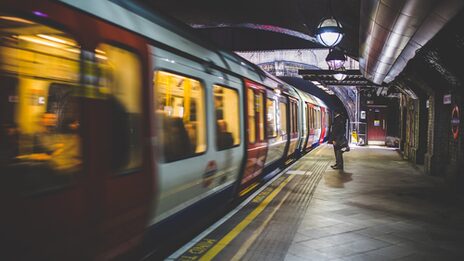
(338, 139)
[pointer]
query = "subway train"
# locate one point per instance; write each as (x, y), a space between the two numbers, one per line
(119, 127)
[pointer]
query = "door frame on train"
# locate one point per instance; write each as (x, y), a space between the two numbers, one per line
(293, 103)
(127, 190)
(251, 174)
(279, 140)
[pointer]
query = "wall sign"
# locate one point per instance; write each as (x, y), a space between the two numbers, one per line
(447, 99)
(455, 120)
(363, 115)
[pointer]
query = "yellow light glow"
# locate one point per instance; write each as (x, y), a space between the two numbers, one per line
(55, 39)
(101, 57)
(100, 51)
(38, 41)
(73, 50)
(16, 19)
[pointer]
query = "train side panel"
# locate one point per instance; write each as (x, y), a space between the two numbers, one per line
(201, 139)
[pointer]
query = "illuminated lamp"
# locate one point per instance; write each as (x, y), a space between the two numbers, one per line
(335, 59)
(340, 74)
(329, 32)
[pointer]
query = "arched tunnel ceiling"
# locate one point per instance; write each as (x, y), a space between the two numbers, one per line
(437, 67)
(275, 24)
(280, 24)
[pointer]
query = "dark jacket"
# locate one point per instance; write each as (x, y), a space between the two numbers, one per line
(338, 130)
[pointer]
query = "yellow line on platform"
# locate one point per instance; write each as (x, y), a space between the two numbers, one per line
(248, 189)
(242, 225)
(244, 248)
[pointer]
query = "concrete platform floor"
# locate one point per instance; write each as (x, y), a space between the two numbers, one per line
(380, 208)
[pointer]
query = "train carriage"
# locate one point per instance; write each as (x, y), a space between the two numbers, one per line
(120, 124)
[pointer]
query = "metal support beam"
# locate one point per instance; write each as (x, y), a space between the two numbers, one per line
(328, 72)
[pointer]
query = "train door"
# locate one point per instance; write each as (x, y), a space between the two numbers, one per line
(293, 125)
(310, 123)
(276, 127)
(227, 126)
(256, 142)
(323, 125)
(317, 125)
(44, 182)
(303, 126)
(120, 135)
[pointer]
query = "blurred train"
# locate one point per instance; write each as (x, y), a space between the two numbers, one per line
(119, 127)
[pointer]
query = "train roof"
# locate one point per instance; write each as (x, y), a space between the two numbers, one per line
(166, 31)
(171, 33)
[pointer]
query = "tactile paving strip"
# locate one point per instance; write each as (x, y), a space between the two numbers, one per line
(268, 234)
(274, 242)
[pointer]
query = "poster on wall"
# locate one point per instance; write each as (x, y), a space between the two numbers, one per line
(455, 121)
(447, 99)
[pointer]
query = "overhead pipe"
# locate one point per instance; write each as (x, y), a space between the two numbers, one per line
(391, 31)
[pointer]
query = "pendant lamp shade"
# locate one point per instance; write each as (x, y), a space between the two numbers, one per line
(335, 59)
(329, 32)
(341, 74)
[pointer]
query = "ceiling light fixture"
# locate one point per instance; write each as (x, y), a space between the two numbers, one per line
(341, 74)
(329, 32)
(335, 59)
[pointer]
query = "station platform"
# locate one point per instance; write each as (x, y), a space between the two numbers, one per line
(379, 208)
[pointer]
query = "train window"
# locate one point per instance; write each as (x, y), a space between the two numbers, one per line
(307, 117)
(291, 117)
(283, 118)
(317, 116)
(260, 110)
(295, 117)
(251, 117)
(226, 105)
(40, 148)
(313, 118)
(180, 108)
(271, 122)
(121, 78)
(310, 117)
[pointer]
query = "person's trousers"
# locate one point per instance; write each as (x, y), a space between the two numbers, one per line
(338, 157)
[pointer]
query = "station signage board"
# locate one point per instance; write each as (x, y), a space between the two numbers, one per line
(447, 99)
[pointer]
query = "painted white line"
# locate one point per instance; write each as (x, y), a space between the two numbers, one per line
(218, 223)
(296, 172)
